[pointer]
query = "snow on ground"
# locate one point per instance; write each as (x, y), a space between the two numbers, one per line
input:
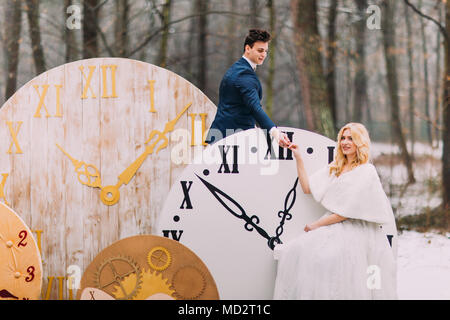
(423, 259)
(379, 148)
(422, 194)
(423, 266)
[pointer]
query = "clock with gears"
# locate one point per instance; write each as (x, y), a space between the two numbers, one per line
(21, 265)
(147, 267)
(87, 155)
(241, 198)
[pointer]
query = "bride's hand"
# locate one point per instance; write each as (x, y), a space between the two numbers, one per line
(295, 150)
(310, 227)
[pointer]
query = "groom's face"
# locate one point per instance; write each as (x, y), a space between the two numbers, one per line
(258, 53)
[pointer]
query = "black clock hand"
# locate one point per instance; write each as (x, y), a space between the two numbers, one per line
(6, 294)
(251, 222)
(284, 214)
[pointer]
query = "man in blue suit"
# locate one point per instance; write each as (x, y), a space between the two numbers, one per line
(240, 94)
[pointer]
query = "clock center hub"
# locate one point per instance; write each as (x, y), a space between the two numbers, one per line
(110, 195)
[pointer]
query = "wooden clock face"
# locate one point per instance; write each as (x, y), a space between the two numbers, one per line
(232, 206)
(21, 265)
(147, 267)
(87, 155)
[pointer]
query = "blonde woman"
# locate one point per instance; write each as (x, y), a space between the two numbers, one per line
(341, 251)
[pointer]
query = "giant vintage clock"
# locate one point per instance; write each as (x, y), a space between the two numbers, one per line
(240, 199)
(87, 156)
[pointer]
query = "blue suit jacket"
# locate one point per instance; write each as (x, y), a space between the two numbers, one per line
(239, 106)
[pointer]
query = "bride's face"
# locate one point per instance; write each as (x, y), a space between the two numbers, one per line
(348, 147)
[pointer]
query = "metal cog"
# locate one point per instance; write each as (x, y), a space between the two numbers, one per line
(118, 278)
(188, 274)
(160, 254)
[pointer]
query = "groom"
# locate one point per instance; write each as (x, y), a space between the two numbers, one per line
(240, 94)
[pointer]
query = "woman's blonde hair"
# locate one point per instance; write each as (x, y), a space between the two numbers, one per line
(361, 138)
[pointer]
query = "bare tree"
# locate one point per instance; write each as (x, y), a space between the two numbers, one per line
(202, 53)
(360, 80)
(331, 60)
(272, 53)
(13, 23)
(231, 28)
(391, 68)
(254, 13)
(426, 80)
(32, 9)
(165, 20)
(445, 31)
(446, 120)
(438, 82)
(121, 28)
(412, 128)
(313, 83)
(90, 34)
(70, 42)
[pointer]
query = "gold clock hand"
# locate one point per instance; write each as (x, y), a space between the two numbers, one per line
(128, 173)
(87, 171)
(110, 194)
(168, 128)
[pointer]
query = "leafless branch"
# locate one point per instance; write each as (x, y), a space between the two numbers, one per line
(420, 13)
(157, 31)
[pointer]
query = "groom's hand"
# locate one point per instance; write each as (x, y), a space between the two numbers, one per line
(284, 140)
(281, 137)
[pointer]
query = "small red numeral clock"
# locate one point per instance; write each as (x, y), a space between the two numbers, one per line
(21, 265)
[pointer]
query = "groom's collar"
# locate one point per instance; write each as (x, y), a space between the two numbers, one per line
(253, 65)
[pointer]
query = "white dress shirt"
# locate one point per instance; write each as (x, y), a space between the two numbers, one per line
(252, 64)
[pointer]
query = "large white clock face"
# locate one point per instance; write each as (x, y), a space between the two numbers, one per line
(233, 204)
(86, 158)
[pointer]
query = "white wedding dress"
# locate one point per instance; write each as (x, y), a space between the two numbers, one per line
(351, 259)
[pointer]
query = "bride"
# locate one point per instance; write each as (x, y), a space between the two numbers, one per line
(344, 254)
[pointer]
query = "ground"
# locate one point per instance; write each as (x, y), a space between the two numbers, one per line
(423, 266)
(423, 259)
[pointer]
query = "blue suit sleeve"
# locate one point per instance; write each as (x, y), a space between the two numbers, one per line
(248, 87)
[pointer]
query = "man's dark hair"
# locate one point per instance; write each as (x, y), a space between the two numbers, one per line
(255, 35)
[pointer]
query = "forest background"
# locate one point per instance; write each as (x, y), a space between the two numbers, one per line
(384, 63)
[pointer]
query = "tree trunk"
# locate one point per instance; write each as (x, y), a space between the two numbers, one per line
(162, 60)
(35, 35)
(272, 48)
(90, 22)
(202, 7)
(348, 84)
(446, 122)
(231, 32)
(190, 60)
(13, 23)
(437, 92)
(254, 12)
(412, 128)
(331, 60)
(426, 82)
(69, 37)
(121, 28)
(313, 82)
(360, 81)
(391, 66)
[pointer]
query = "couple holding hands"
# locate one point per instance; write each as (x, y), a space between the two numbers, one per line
(332, 258)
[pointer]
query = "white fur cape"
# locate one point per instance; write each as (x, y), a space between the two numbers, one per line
(356, 194)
